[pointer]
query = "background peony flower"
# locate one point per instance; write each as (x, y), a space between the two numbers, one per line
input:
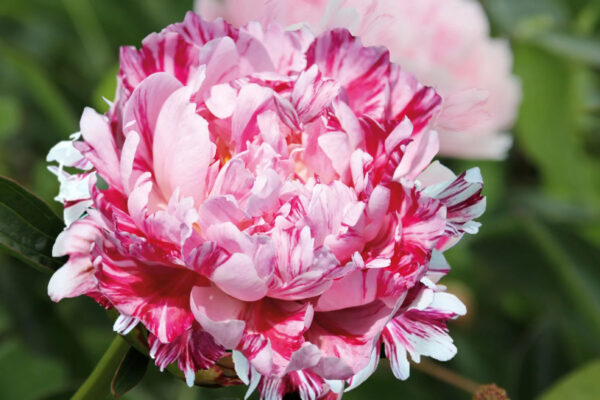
(446, 44)
(269, 194)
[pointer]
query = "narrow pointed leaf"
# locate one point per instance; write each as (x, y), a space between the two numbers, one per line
(28, 227)
(130, 372)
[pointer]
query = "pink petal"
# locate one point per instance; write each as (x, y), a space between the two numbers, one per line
(73, 279)
(76, 277)
(218, 314)
(182, 148)
(238, 277)
(193, 350)
(418, 155)
(361, 71)
(312, 94)
(421, 332)
(356, 289)
(274, 331)
(349, 335)
(222, 61)
(99, 146)
(335, 145)
(141, 112)
(302, 270)
(251, 101)
(167, 52)
(156, 294)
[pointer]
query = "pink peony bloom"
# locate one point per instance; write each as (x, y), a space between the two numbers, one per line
(270, 194)
(446, 44)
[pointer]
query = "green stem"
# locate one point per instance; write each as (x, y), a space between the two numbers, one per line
(97, 385)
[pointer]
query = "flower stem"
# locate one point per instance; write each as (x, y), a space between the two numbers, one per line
(97, 385)
(445, 375)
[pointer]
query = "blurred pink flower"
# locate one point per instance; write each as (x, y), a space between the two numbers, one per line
(446, 44)
(268, 193)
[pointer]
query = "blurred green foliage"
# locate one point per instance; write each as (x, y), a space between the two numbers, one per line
(530, 278)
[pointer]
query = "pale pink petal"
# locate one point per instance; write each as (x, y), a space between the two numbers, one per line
(166, 52)
(264, 194)
(99, 146)
(220, 56)
(76, 277)
(335, 145)
(237, 277)
(140, 115)
(312, 94)
(251, 101)
(349, 335)
(182, 150)
(421, 332)
(220, 209)
(218, 314)
(73, 279)
(307, 384)
(418, 155)
(221, 100)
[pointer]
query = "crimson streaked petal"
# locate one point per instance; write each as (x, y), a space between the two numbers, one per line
(158, 295)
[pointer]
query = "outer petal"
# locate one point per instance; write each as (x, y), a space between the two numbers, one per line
(158, 295)
(193, 350)
(99, 146)
(164, 52)
(464, 202)
(361, 71)
(274, 331)
(219, 314)
(76, 277)
(307, 384)
(349, 335)
(421, 330)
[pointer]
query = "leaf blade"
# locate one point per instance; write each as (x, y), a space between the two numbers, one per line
(28, 227)
(130, 372)
(582, 384)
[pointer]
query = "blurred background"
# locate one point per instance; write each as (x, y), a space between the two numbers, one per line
(530, 279)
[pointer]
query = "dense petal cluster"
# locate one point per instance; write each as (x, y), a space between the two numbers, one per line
(446, 44)
(267, 194)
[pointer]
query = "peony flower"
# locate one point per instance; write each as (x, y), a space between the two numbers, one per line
(446, 44)
(266, 194)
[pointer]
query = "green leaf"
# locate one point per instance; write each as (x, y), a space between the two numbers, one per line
(28, 227)
(25, 375)
(582, 49)
(42, 88)
(90, 32)
(526, 18)
(130, 372)
(548, 131)
(10, 116)
(581, 384)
